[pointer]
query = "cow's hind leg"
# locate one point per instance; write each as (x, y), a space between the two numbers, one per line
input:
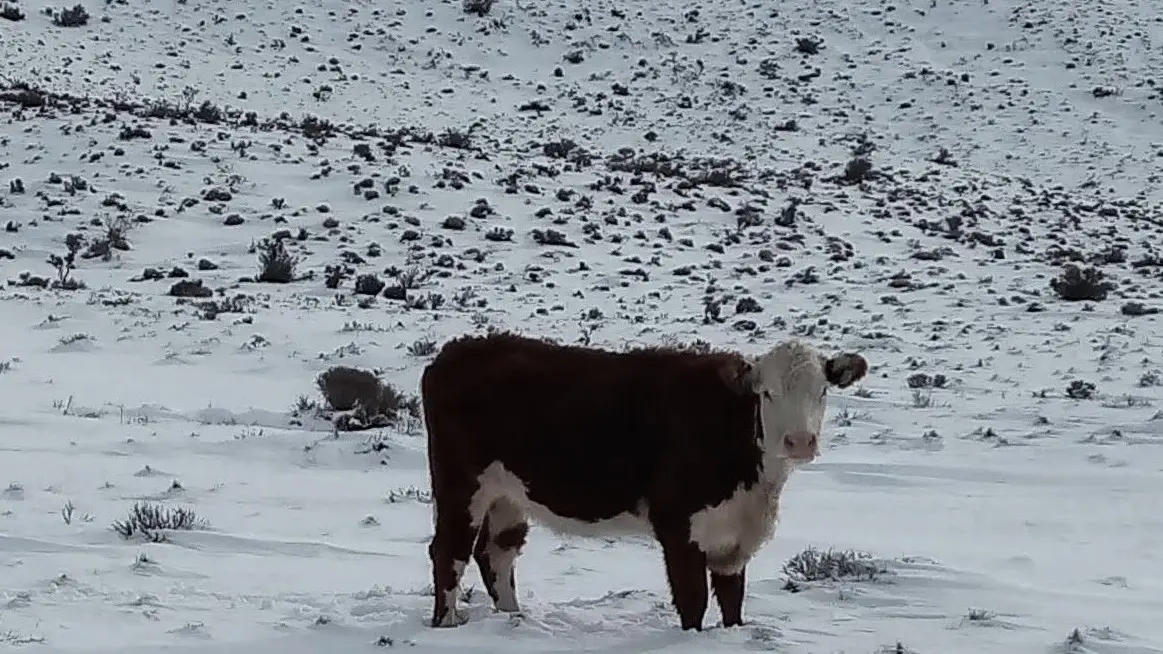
(499, 543)
(481, 556)
(450, 550)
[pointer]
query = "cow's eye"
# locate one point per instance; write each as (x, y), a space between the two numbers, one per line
(766, 394)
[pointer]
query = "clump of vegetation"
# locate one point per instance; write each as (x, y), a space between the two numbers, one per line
(1135, 309)
(185, 109)
(923, 380)
(344, 387)
(153, 520)
(66, 264)
(238, 304)
(11, 12)
(370, 401)
(369, 284)
(114, 238)
(831, 565)
(478, 7)
(422, 347)
(23, 94)
(1077, 284)
(409, 494)
(276, 265)
(808, 45)
(455, 138)
(1080, 389)
(74, 17)
(188, 288)
(859, 168)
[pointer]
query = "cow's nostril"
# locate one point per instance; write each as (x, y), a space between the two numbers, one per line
(812, 442)
(789, 442)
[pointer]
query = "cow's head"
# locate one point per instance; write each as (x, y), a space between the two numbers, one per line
(791, 382)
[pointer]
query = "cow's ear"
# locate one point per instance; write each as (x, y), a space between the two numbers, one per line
(740, 375)
(845, 369)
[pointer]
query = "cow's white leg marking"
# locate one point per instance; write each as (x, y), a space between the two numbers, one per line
(504, 515)
(454, 617)
(503, 562)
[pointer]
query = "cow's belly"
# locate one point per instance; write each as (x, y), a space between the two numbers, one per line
(731, 532)
(499, 484)
(625, 523)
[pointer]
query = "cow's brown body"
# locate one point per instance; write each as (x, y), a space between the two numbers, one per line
(661, 442)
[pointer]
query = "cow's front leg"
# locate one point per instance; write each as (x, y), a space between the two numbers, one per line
(449, 550)
(686, 572)
(729, 589)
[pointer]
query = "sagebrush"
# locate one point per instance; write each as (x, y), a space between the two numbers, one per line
(152, 520)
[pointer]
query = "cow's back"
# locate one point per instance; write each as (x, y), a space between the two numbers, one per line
(575, 414)
(563, 417)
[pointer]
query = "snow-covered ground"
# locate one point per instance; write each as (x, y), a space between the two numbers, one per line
(1002, 463)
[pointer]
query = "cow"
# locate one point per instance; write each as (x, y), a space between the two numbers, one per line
(690, 447)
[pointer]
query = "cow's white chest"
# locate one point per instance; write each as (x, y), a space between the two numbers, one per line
(731, 532)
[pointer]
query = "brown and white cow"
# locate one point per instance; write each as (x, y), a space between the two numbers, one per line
(692, 448)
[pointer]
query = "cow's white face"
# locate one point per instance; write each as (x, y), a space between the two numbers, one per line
(792, 382)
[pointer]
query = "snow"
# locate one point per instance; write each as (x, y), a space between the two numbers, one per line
(1007, 512)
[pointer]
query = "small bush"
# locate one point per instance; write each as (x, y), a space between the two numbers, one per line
(922, 399)
(369, 284)
(276, 265)
(344, 387)
(67, 263)
(372, 403)
(857, 170)
(211, 308)
(832, 565)
(75, 17)
(190, 288)
(1135, 309)
(151, 520)
(808, 45)
(478, 7)
(422, 347)
(1077, 284)
(11, 12)
(1080, 389)
(454, 138)
(113, 239)
(394, 403)
(922, 380)
(409, 494)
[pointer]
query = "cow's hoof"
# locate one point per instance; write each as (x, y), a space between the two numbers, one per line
(733, 623)
(449, 619)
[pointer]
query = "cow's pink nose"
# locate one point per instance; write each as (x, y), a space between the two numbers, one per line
(801, 445)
